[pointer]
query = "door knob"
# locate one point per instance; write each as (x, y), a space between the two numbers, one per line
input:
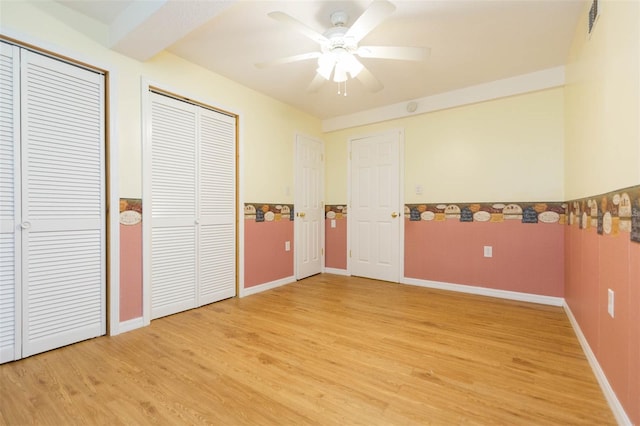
(394, 215)
(25, 225)
(302, 214)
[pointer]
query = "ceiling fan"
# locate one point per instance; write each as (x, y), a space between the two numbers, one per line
(339, 47)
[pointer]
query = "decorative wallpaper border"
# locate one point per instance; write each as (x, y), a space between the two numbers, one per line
(335, 211)
(130, 211)
(610, 213)
(263, 212)
(544, 212)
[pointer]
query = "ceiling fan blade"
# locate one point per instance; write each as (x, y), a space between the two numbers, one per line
(299, 26)
(369, 81)
(316, 83)
(394, 52)
(289, 59)
(370, 18)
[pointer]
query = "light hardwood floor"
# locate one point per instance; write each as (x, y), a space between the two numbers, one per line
(326, 350)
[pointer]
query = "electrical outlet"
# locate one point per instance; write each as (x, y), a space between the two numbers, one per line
(610, 302)
(488, 251)
(287, 246)
(333, 223)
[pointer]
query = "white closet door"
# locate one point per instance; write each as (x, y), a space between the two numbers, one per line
(217, 195)
(173, 206)
(63, 212)
(193, 198)
(9, 202)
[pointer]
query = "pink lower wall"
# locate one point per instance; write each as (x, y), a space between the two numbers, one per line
(527, 258)
(596, 263)
(265, 258)
(544, 258)
(130, 271)
(335, 241)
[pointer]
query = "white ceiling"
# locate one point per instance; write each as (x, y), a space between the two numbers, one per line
(471, 41)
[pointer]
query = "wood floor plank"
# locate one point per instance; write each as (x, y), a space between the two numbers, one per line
(328, 350)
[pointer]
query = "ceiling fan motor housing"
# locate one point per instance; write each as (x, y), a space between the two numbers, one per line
(336, 34)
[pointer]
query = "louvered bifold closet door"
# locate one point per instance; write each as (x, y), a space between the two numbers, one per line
(63, 212)
(173, 206)
(217, 207)
(9, 202)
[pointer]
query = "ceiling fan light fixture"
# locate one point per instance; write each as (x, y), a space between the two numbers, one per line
(326, 62)
(339, 61)
(351, 64)
(340, 73)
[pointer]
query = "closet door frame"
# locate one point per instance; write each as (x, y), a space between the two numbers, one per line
(146, 87)
(112, 194)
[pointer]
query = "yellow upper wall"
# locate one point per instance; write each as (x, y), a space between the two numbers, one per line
(509, 149)
(267, 126)
(603, 102)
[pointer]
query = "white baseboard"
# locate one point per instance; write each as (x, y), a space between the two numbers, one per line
(131, 324)
(336, 271)
(266, 286)
(610, 395)
(482, 291)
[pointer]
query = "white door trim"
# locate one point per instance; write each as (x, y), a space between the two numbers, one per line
(400, 132)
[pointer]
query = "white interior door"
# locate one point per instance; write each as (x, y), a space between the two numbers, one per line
(374, 211)
(217, 207)
(309, 206)
(173, 206)
(63, 208)
(10, 300)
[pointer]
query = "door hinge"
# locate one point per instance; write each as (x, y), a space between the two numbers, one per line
(322, 252)
(349, 253)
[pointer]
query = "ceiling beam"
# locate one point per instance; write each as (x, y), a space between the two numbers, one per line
(146, 28)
